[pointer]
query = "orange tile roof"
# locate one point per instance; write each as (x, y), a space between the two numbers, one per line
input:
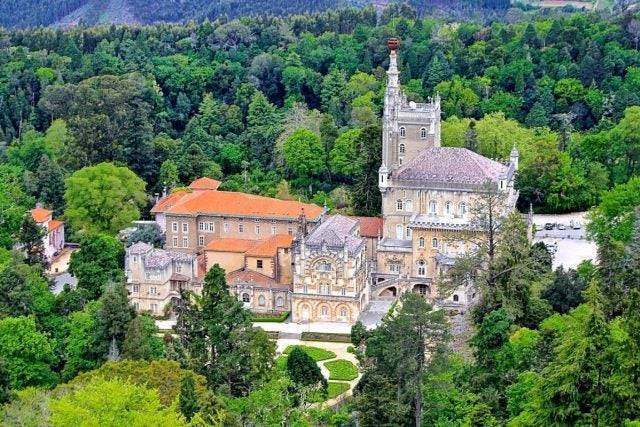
(40, 214)
(253, 277)
(266, 248)
(370, 226)
(237, 204)
(53, 224)
(230, 245)
(166, 202)
(205, 184)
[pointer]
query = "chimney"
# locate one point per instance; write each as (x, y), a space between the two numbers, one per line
(39, 205)
(164, 191)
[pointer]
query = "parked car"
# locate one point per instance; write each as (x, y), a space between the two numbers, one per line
(562, 227)
(549, 226)
(576, 226)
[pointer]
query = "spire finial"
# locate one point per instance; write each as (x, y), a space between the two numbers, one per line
(393, 44)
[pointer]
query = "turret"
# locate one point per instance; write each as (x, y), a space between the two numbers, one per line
(383, 178)
(514, 157)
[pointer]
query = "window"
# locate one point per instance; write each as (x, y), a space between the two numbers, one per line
(343, 313)
(343, 291)
(175, 242)
(261, 300)
(399, 232)
(462, 208)
(259, 263)
(324, 289)
(399, 205)
(403, 132)
(422, 268)
(423, 133)
(136, 289)
(225, 226)
(178, 268)
(394, 267)
(174, 227)
(455, 298)
(240, 228)
(290, 231)
(153, 290)
(258, 229)
(434, 243)
(279, 302)
(306, 288)
(421, 242)
(200, 240)
(448, 207)
(212, 227)
(273, 229)
(408, 232)
(136, 305)
(154, 308)
(201, 226)
(324, 310)
(245, 298)
(401, 149)
(185, 242)
(324, 266)
(185, 227)
(433, 207)
(408, 206)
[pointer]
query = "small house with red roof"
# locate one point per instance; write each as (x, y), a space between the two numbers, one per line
(53, 239)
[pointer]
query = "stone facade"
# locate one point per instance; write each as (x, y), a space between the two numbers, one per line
(156, 276)
(427, 193)
(330, 273)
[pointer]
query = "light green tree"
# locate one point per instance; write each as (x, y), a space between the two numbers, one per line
(304, 154)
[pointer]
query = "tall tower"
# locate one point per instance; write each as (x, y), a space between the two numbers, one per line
(392, 101)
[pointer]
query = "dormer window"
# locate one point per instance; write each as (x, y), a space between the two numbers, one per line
(403, 132)
(423, 133)
(401, 148)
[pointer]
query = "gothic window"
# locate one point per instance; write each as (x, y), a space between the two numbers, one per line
(279, 302)
(462, 208)
(136, 305)
(245, 297)
(434, 243)
(343, 313)
(261, 300)
(399, 205)
(324, 289)
(423, 133)
(394, 267)
(324, 266)
(455, 298)
(343, 291)
(408, 206)
(448, 207)
(421, 242)
(403, 132)
(422, 268)
(401, 149)
(324, 310)
(433, 206)
(306, 289)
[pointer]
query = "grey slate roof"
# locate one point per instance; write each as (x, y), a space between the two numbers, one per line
(159, 258)
(139, 248)
(337, 232)
(451, 166)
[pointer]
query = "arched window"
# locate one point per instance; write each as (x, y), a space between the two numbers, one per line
(408, 206)
(403, 132)
(399, 232)
(245, 298)
(399, 205)
(434, 243)
(324, 289)
(455, 298)
(433, 207)
(306, 288)
(279, 302)
(422, 268)
(324, 266)
(136, 305)
(401, 149)
(448, 208)
(423, 133)
(261, 300)
(421, 242)
(343, 313)
(462, 209)
(324, 310)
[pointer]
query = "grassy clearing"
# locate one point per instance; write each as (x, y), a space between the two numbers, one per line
(341, 370)
(281, 363)
(318, 354)
(335, 389)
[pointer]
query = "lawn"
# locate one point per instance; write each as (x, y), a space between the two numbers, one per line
(341, 370)
(334, 389)
(318, 354)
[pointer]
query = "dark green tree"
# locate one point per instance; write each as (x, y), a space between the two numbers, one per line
(30, 237)
(188, 401)
(565, 292)
(366, 195)
(50, 185)
(98, 262)
(141, 341)
(112, 317)
(304, 371)
(5, 389)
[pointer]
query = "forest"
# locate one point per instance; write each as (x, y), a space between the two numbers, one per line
(94, 122)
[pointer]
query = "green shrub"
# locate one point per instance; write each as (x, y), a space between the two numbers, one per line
(335, 389)
(326, 337)
(281, 362)
(351, 350)
(341, 370)
(277, 318)
(318, 354)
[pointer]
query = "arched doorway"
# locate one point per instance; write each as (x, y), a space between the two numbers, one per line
(304, 312)
(422, 289)
(390, 292)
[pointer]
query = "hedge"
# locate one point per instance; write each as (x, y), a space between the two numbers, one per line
(316, 353)
(326, 337)
(342, 370)
(277, 318)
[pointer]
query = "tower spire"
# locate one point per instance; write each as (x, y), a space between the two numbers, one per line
(393, 73)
